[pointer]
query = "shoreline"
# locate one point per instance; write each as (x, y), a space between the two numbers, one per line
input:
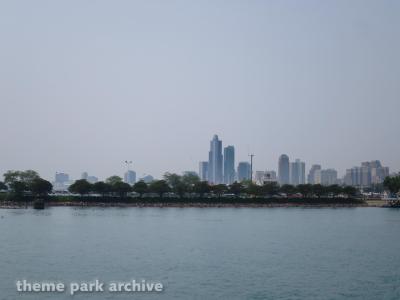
(15, 205)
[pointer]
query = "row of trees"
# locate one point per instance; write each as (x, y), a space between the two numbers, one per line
(187, 185)
(22, 182)
(29, 182)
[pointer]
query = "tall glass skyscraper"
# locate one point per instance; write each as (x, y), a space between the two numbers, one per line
(215, 161)
(229, 165)
(283, 169)
(297, 172)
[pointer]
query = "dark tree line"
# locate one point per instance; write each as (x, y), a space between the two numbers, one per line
(189, 186)
(25, 183)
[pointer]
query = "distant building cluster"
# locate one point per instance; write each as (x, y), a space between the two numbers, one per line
(367, 174)
(221, 169)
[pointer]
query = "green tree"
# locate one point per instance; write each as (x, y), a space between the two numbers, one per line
(24, 177)
(392, 184)
(177, 184)
(236, 188)
(287, 189)
(190, 180)
(140, 187)
(122, 188)
(335, 190)
(3, 186)
(201, 188)
(40, 187)
(270, 188)
(102, 188)
(113, 180)
(219, 189)
(305, 189)
(18, 188)
(350, 191)
(318, 190)
(160, 187)
(81, 187)
(254, 189)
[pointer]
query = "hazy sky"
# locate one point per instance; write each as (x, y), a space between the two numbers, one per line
(86, 85)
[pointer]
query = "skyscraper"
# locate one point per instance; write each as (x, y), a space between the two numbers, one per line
(283, 169)
(229, 165)
(215, 161)
(243, 171)
(328, 177)
(297, 172)
(130, 177)
(314, 176)
(203, 170)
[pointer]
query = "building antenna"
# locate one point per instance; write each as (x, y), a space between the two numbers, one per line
(128, 163)
(251, 166)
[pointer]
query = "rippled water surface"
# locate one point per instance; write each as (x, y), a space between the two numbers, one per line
(206, 253)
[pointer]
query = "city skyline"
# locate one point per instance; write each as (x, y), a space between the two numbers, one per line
(288, 171)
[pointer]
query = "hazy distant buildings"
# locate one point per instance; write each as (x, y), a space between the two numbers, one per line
(243, 171)
(369, 173)
(61, 182)
(147, 178)
(229, 165)
(203, 170)
(283, 170)
(91, 179)
(215, 161)
(329, 177)
(297, 172)
(61, 178)
(314, 176)
(130, 177)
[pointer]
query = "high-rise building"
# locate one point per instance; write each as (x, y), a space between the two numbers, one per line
(130, 177)
(215, 161)
(61, 182)
(369, 173)
(229, 165)
(61, 178)
(329, 177)
(314, 176)
(203, 170)
(297, 172)
(243, 171)
(283, 170)
(84, 175)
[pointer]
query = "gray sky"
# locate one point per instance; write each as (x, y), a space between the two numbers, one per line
(85, 85)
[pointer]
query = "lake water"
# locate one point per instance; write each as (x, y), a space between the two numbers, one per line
(205, 253)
